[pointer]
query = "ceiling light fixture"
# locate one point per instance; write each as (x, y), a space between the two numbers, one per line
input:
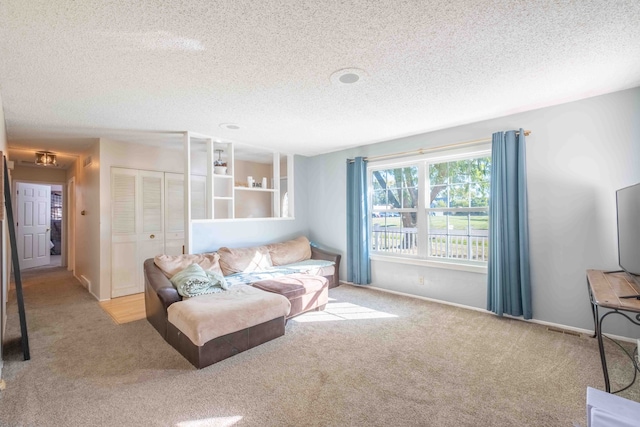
(46, 158)
(230, 126)
(348, 76)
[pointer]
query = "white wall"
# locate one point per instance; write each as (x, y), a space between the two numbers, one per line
(87, 235)
(578, 154)
(38, 174)
(209, 236)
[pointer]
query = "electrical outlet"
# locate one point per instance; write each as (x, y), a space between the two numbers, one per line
(420, 280)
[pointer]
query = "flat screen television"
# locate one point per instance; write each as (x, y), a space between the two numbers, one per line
(628, 212)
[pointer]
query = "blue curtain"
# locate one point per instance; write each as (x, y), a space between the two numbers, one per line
(358, 265)
(509, 284)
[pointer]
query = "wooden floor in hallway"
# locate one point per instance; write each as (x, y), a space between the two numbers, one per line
(125, 309)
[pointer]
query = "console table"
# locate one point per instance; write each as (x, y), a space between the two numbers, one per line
(616, 292)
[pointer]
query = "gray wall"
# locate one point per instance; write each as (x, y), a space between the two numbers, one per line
(578, 154)
(209, 236)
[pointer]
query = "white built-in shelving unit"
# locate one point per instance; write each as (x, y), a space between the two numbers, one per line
(229, 196)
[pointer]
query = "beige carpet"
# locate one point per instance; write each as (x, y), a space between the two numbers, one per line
(373, 359)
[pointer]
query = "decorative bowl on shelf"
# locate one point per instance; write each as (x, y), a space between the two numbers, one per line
(220, 170)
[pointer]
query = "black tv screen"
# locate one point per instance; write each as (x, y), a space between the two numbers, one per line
(628, 211)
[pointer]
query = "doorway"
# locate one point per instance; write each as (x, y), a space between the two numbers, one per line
(56, 226)
(39, 225)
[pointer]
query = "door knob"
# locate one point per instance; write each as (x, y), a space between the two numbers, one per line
(48, 229)
(153, 236)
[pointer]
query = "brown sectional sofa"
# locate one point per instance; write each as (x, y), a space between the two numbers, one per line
(288, 278)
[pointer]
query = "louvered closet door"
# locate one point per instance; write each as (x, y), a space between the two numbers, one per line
(124, 227)
(151, 208)
(137, 226)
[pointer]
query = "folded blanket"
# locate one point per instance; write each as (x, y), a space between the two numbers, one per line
(193, 281)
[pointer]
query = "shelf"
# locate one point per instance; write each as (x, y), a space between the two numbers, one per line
(222, 198)
(266, 190)
(217, 175)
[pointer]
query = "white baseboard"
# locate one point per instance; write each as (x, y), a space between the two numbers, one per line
(87, 285)
(482, 310)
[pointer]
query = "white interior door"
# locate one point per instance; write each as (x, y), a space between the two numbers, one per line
(33, 225)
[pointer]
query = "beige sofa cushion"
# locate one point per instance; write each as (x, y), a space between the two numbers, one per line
(291, 251)
(244, 260)
(207, 317)
(172, 264)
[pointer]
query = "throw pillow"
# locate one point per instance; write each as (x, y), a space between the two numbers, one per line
(194, 281)
(171, 264)
(291, 251)
(244, 260)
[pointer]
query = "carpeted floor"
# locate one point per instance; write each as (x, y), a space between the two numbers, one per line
(373, 359)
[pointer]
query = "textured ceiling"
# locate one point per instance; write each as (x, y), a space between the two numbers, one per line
(74, 70)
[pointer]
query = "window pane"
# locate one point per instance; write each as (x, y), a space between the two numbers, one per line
(379, 199)
(395, 188)
(459, 196)
(389, 235)
(480, 169)
(393, 231)
(438, 173)
(408, 219)
(480, 195)
(458, 235)
(375, 182)
(380, 179)
(438, 196)
(437, 246)
(410, 197)
(459, 171)
(479, 236)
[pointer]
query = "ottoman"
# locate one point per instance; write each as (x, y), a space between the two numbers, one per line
(305, 292)
(209, 328)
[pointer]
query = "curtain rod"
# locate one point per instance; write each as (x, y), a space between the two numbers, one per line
(431, 149)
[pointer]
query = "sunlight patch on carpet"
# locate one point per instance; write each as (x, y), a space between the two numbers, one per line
(211, 422)
(342, 311)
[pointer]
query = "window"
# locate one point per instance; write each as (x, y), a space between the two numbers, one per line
(432, 208)
(458, 212)
(395, 210)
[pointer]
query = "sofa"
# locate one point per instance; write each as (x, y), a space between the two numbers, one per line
(252, 293)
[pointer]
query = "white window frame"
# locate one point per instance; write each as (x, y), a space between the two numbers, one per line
(422, 210)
